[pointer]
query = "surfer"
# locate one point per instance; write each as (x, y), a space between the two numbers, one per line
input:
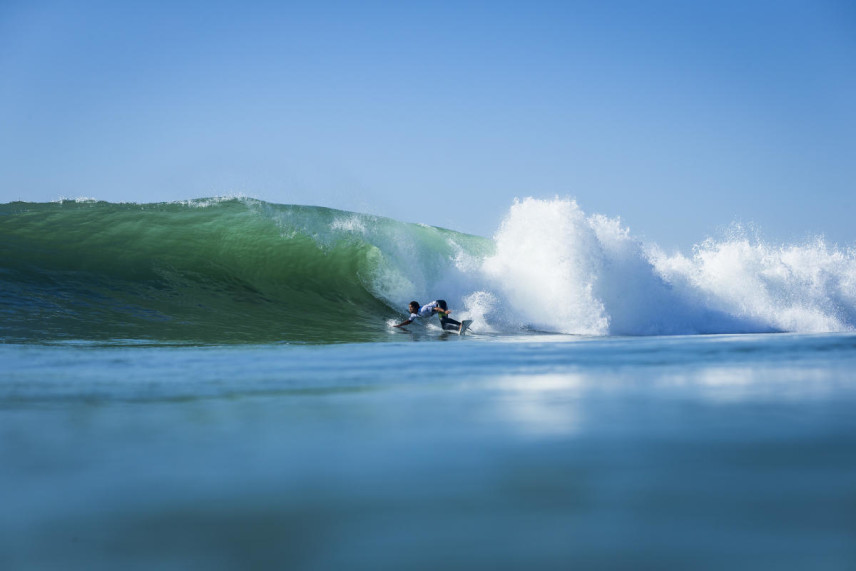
(439, 307)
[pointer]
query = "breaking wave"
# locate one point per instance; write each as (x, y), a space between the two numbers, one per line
(239, 270)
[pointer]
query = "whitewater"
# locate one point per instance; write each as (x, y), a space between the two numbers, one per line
(225, 270)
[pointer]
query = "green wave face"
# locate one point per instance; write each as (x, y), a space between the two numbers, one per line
(212, 271)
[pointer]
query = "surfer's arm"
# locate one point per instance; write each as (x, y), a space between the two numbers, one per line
(403, 323)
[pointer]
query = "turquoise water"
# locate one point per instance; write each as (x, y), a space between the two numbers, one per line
(215, 384)
(563, 452)
(210, 271)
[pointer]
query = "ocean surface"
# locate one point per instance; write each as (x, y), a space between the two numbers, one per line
(215, 384)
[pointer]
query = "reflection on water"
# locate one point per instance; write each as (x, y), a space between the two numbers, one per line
(539, 405)
(736, 383)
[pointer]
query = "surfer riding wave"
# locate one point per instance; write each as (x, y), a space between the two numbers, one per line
(418, 312)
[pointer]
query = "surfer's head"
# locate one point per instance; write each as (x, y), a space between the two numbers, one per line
(414, 306)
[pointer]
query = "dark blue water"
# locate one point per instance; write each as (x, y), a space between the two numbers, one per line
(702, 452)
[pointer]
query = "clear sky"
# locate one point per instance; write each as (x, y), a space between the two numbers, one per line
(679, 117)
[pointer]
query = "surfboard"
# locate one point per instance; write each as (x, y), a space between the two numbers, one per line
(465, 324)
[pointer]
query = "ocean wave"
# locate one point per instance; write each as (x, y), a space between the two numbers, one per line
(238, 269)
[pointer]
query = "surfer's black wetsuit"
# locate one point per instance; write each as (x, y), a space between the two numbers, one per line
(445, 319)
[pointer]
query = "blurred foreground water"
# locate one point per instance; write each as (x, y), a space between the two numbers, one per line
(703, 452)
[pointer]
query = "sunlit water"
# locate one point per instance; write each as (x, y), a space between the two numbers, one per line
(702, 452)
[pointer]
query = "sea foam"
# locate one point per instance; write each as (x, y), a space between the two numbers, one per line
(557, 269)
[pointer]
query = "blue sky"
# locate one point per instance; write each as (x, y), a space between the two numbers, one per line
(679, 117)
